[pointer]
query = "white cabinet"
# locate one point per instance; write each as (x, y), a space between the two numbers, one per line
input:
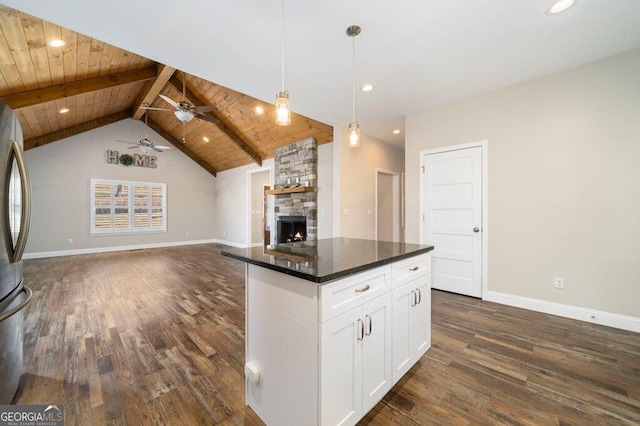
(327, 354)
(411, 324)
(355, 362)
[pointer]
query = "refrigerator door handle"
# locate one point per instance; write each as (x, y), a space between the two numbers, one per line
(15, 253)
(16, 309)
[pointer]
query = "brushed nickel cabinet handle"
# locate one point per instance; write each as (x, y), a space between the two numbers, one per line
(413, 298)
(368, 319)
(363, 289)
(415, 268)
(419, 296)
(360, 329)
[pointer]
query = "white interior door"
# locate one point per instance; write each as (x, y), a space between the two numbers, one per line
(453, 219)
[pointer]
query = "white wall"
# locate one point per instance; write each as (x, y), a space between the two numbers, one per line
(563, 185)
(325, 190)
(358, 182)
(231, 199)
(60, 175)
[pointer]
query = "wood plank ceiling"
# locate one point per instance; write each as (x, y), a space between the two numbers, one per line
(100, 84)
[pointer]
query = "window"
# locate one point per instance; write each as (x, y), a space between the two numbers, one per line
(120, 207)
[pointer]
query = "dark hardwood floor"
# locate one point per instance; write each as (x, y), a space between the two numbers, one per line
(157, 337)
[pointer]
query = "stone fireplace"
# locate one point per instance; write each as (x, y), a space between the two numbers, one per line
(296, 166)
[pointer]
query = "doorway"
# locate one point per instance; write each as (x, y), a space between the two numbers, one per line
(388, 201)
(453, 204)
(258, 222)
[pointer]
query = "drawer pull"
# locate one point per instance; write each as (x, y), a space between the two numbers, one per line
(360, 330)
(368, 319)
(363, 289)
(419, 296)
(414, 298)
(415, 268)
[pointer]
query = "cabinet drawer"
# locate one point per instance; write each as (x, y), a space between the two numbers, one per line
(409, 269)
(343, 295)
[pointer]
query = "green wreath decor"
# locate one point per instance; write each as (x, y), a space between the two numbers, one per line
(126, 160)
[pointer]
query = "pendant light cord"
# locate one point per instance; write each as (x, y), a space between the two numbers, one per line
(282, 39)
(353, 76)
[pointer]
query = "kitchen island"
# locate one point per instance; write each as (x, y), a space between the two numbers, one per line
(331, 326)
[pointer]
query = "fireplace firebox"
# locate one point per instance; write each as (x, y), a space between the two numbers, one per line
(292, 228)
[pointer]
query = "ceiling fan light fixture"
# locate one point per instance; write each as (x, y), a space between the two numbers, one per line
(184, 116)
(283, 109)
(558, 6)
(146, 149)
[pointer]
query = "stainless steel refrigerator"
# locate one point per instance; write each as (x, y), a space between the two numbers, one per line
(15, 214)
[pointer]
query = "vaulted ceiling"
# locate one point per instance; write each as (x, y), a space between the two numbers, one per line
(100, 84)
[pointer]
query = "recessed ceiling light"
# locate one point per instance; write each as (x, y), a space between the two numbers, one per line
(259, 110)
(206, 139)
(396, 131)
(64, 110)
(368, 87)
(57, 43)
(560, 6)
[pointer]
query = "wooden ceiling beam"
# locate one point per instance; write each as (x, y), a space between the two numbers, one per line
(235, 138)
(74, 130)
(65, 90)
(147, 96)
(182, 147)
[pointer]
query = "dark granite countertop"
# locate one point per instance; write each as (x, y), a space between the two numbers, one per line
(328, 259)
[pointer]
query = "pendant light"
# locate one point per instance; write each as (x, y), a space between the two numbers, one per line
(283, 107)
(354, 127)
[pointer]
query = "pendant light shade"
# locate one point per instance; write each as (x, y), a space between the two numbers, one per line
(354, 127)
(283, 109)
(283, 106)
(354, 135)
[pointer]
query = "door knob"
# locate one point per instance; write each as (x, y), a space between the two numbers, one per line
(476, 229)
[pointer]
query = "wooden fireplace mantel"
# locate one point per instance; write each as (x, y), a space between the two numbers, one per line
(292, 190)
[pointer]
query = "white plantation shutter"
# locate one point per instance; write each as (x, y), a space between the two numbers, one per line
(119, 207)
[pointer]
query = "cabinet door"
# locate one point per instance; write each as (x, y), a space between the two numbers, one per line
(341, 369)
(376, 351)
(403, 300)
(420, 328)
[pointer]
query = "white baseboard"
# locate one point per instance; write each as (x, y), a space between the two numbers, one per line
(231, 243)
(567, 311)
(58, 253)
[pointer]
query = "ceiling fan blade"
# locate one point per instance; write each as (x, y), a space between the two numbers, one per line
(132, 147)
(207, 118)
(204, 108)
(170, 101)
(156, 109)
(164, 147)
(156, 148)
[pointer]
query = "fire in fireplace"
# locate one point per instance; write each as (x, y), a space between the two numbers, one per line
(292, 228)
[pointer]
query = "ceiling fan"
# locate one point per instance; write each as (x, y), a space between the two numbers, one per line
(184, 111)
(145, 144)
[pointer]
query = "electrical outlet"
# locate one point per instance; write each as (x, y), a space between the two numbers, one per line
(558, 282)
(70, 241)
(187, 234)
(369, 212)
(346, 212)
